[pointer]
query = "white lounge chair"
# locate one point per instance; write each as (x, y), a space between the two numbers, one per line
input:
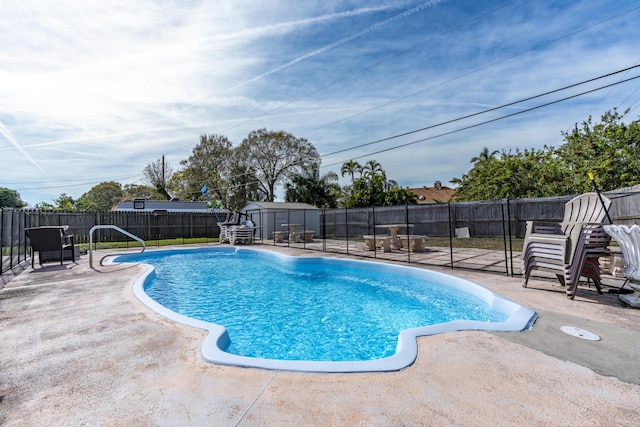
(628, 239)
(242, 233)
(230, 221)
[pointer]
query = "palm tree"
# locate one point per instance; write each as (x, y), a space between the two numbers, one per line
(351, 168)
(389, 184)
(484, 155)
(310, 187)
(373, 168)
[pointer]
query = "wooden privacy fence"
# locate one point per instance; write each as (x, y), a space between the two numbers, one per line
(146, 225)
(497, 218)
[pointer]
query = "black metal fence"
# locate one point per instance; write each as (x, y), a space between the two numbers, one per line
(456, 228)
(13, 245)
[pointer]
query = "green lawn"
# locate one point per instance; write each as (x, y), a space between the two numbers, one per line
(149, 243)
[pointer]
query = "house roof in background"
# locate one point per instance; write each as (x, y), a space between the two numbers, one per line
(433, 194)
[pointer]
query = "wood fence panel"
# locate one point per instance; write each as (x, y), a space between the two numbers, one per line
(484, 219)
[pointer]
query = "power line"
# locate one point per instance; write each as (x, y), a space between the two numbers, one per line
(389, 58)
(489, 121)
(443, 123)
(480, 112)
(609, 92)
(78, 182)
(472, 71)
(482, 123)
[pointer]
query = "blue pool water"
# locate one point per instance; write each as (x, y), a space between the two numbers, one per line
(299, 309)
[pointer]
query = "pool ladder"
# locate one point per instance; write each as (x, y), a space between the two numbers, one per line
(113, 227)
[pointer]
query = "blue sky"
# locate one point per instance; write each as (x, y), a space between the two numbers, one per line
(93, 91)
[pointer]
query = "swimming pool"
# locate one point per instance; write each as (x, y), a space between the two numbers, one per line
(269, 310)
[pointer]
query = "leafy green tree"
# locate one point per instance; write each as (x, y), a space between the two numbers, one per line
(528, 173)
(373, 168)
(368, 191)
(207, 165)
(65, 202)
(135, 191)
(275, 157)
(103, 197)
(181, 188)
(484, 156)
(373, 188)
(609, 149)
(309, 187)
(46, 206)
(400, 196)
(10, 198)
(243, 186)
(158, 174)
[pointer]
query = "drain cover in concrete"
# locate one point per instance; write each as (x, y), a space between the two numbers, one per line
(580, 333)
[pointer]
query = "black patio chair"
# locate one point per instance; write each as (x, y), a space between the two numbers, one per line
(51, 244)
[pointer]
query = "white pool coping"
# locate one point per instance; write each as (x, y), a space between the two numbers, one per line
(520, 318)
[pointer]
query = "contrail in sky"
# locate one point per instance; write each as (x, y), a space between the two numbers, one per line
(7, 134)
(342, 41)
(106, 135)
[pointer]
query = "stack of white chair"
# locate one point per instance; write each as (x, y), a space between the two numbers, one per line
(571, 248)
(628, 239)
(242, 233)
(226, 225)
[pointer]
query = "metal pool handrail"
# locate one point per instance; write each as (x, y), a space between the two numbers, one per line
(114, 227)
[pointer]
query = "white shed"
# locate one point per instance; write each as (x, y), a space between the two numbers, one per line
(270, 217)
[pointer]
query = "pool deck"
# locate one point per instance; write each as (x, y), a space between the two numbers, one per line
(78, 348)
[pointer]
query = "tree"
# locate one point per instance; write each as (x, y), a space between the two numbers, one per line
(180, 186)
(484, 156)
(243, 186)
(367, 191)
(373, 188)
(609, 149)
(207, 165)
(309, 187)
(10, 198)
(400, 196)
(351, 168)
(135, 191)
(275, 156)
(103, 197)
(158, 174)
(65, 202)
(373, 168)
(528, 173)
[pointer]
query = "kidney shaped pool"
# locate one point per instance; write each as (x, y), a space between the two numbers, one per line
(269, 310)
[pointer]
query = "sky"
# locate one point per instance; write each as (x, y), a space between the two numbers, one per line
(93, 91)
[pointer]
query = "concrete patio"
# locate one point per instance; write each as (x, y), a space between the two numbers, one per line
(79, 349)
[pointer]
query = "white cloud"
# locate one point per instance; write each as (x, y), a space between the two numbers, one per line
(106, 87)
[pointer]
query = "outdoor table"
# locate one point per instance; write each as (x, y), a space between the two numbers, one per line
(293, 236)
(393, 231)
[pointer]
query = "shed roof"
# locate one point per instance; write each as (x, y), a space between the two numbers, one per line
(141, 205)
(279, 205)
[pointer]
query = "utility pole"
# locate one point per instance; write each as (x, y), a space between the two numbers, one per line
(163, 170)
